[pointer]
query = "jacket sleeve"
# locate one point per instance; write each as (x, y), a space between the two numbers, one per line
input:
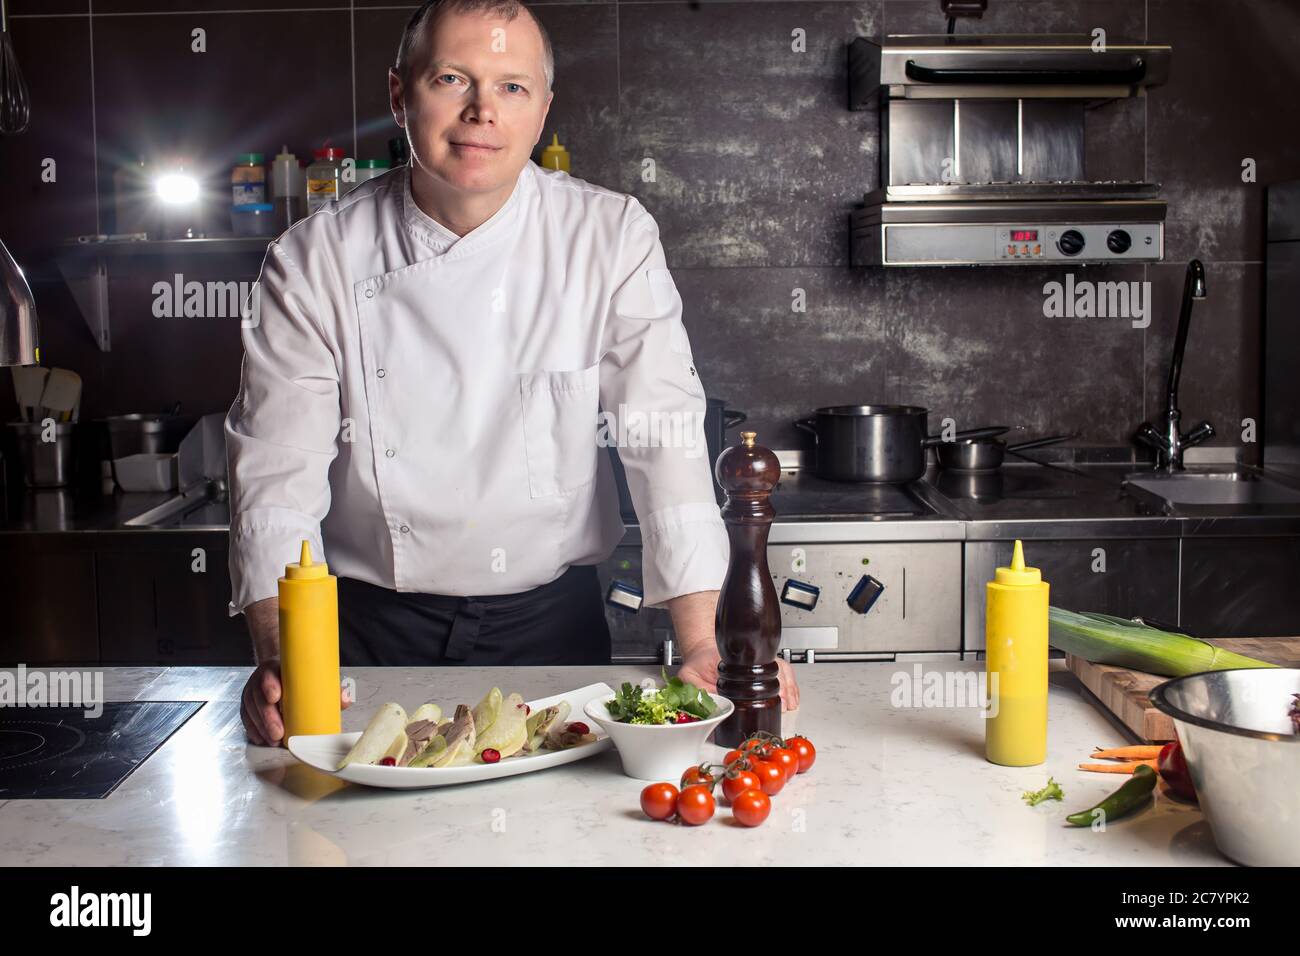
(281, 433)
(654, 404)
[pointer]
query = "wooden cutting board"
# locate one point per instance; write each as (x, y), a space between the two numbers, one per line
(1124, 691)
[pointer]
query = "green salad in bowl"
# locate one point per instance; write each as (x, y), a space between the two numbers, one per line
(677, 702)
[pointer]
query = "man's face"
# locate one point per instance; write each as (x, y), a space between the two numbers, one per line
(475, 102)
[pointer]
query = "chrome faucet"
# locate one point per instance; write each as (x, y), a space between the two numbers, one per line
(1169, 441)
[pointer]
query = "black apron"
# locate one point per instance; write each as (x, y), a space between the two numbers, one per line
(558, 623)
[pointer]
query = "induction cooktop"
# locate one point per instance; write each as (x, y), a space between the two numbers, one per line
(60, 753)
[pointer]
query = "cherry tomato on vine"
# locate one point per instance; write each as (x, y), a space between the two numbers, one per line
(787, 760)
(695, 805)
(744, 780)
(698, 776)
(732, 756)
(659, 801)
(806, 751)
(751, 807)
(771, 778)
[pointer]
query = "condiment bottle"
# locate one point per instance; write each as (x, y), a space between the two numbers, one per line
(323, 177)
(1015, 647)
(555, 156)
(286, 189)
(309, 648)
(248, 180)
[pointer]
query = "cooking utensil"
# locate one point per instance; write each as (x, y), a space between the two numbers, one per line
(145, 432)
(985, 455)
(875, 443)
(135, 434)
(46, 464)
(29, 383)
(62, 394)
(15, 102)
(1244, 758)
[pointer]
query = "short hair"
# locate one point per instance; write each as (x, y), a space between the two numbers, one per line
(417, 29)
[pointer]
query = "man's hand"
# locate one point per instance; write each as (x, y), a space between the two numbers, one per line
(693, 623)
(701, 669)
(259, 707)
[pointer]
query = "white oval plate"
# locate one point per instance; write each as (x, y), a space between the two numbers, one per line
(324, 751)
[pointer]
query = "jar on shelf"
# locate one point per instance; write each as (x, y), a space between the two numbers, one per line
(323, 177)
(367, 169)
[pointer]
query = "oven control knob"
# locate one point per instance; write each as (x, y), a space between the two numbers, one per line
(865, 593)
(800, 595)
(1071, 242)
(1118, 242)
(625, 597)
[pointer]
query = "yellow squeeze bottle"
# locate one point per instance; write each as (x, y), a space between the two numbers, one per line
(1015, 642)
(555, 156)
(309, 648)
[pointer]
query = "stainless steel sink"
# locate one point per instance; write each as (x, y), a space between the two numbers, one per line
(1196, 490)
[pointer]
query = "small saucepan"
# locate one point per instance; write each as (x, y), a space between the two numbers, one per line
(982, 456)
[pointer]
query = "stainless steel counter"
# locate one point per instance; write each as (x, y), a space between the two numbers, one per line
(1022, 501)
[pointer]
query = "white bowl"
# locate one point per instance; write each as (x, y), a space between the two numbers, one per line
(657, 751)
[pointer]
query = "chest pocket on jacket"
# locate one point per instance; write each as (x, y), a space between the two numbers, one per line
(560, 417)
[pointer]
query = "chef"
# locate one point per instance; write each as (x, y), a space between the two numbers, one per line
(433, 367)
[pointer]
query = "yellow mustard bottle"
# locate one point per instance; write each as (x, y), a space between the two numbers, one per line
(555, 156)
(1015, 647)
(309, 648)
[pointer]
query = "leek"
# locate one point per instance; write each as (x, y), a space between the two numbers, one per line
(1103, 639)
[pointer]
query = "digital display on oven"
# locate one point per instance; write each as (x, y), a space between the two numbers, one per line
(1024, 235)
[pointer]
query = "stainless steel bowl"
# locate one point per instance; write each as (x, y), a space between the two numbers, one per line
(1243, 756)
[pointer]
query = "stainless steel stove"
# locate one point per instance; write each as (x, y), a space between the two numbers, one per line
(61, 753)
(861, 571)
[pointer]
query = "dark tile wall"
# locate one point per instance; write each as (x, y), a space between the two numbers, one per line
(756, 164)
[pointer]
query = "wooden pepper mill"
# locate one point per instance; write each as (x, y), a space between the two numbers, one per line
(748, 622)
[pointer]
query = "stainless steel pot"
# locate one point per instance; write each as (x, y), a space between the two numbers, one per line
(46, 464)
(146, 433)
(875, 443)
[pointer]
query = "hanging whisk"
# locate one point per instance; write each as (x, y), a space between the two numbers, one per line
(15, 106)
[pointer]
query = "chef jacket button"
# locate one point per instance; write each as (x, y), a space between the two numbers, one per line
(390, 453)
(692, 369)
(380, 373)
(370, 293)
(405, 530)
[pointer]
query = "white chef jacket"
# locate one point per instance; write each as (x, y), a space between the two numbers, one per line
(423, 408)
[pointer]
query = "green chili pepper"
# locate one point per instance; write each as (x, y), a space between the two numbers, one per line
(1122, 802)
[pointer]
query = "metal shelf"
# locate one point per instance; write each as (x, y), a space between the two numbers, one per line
(85, 267)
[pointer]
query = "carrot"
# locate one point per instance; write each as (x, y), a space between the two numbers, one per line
(1141, 752)
(1117, 767)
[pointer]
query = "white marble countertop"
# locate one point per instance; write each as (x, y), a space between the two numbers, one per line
(891, 786)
